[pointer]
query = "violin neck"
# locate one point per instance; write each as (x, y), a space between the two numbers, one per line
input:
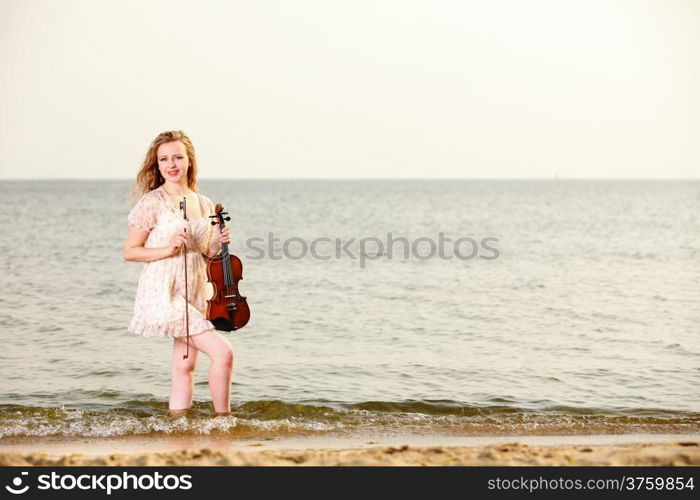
(226, 262)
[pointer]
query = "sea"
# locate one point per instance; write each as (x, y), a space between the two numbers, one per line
(425, 307)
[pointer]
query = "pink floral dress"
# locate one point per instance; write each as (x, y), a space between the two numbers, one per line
(159, 308)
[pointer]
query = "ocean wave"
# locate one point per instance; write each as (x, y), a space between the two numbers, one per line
(272, 418)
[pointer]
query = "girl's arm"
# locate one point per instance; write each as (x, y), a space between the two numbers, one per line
(215, 242)
(134, 249)
(214, 248)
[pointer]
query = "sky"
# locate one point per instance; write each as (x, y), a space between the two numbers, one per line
(498, 89)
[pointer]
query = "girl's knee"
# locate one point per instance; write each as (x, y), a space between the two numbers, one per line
(228, 356)
(183, 371)
(225, 356)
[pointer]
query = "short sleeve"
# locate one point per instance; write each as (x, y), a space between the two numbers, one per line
(144, 215)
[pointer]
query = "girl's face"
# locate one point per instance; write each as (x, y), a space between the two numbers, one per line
(173, 162)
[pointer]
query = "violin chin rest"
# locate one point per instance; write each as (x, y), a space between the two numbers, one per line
(223, 324)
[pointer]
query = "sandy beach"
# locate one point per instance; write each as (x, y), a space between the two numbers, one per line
(515, 451)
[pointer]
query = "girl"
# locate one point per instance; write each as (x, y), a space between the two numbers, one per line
(157, 236)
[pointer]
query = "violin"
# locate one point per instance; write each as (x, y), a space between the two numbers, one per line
(227, 309)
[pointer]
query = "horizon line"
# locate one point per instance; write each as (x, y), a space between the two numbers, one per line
(556, 179)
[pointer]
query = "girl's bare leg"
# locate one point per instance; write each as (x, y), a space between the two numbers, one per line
(182, 377)
(214, 345)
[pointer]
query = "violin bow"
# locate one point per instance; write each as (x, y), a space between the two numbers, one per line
(183, 209)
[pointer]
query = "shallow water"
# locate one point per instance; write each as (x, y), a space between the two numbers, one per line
(585, 322)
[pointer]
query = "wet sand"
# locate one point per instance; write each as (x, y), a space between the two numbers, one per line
(656, 450)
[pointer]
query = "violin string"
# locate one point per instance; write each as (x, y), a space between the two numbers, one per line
(227, 270)
(227, 274)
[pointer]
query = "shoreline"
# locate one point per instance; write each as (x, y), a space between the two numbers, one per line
(627, 449)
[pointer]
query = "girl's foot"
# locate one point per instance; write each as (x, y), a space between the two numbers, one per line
(179, 412)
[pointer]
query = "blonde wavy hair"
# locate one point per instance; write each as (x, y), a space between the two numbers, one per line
(149, 177)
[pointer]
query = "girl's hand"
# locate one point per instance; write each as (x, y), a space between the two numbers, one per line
(224, 236)
(177, 241)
